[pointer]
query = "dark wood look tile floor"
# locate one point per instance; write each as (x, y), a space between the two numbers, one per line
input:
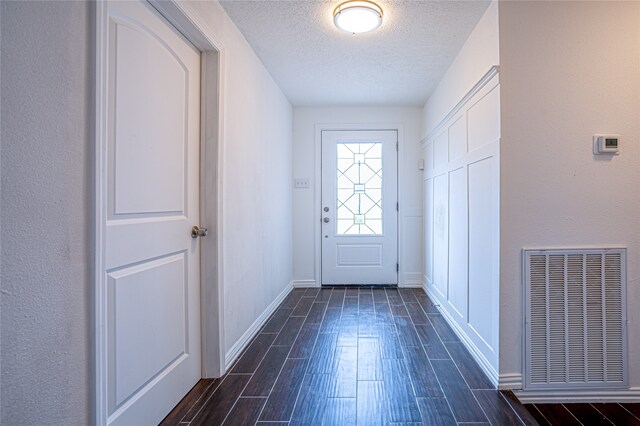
(585, 414)
(352, 356)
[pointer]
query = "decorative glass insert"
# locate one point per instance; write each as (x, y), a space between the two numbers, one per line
(359, 209)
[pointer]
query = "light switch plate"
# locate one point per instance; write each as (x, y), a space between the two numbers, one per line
(302, 183)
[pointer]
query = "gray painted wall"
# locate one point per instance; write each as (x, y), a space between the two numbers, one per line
(46, 108)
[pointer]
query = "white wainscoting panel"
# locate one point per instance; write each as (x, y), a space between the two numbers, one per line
(461, 219)
(458, 239)
(441, 233)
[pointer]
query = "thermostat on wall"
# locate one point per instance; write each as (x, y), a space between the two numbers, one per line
(606, 144)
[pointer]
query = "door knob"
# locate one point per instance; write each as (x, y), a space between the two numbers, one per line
(326, 220)
(196, 232)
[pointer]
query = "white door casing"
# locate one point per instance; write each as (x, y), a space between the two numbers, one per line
(359, 231)
(150, 301)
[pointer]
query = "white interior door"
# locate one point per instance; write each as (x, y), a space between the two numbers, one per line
(359, 207)
(152, 292)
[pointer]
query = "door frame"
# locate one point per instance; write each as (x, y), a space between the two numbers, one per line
(193, 27)
(317, 176)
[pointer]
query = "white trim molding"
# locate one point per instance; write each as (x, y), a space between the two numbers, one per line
(486, 78)
(479, 358)
(629, 395)
(244, 340)
(410, 280)
(305, 284)
(510, 381)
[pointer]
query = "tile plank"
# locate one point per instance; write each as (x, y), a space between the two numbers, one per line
(425, 382)
(345, 377)
(251, 358)
(221, 401)
(282, 399)
(267, 372)
(399, 391)
(463, 403)
(416, 313)
(321, 360)
(587, 414)
(324, 294)
(369, 359)
(193, 399)
(303, 307)
(556, 414)
(475, 377)
(337, 297)
(350, 306)
(616, 414)
(379, 295)
(521, 410)
(436, 411)
(371, 404)
(306, 340)
(497, 408)
(331, 320)
(537, 415)
(245, 412)
(289, 332)
(407, 332)
(365, 301)
(312, 400)
(367, 324)
(348, 332)
(277, 321)
(340, 412)
(431, 341)
(316, 313)
(442, 328)
(633, 408)
(389, 342)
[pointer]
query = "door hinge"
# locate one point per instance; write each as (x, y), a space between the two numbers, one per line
(396, 146)
(397, 207)
(397, 267)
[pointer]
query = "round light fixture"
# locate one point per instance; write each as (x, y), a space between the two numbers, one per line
(357, 16)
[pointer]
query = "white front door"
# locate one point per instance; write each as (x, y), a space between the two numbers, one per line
(151, 201)
(359, 207)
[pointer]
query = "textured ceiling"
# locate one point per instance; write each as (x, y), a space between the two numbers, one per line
(315, 64)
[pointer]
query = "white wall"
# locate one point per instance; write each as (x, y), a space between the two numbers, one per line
(306, 200)
(45, 218)
(257, 158)
(568, 70)
(479, 53)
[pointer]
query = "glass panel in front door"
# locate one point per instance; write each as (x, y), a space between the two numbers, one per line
(359, 188)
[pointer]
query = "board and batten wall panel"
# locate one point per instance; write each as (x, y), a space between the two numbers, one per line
(461, 211)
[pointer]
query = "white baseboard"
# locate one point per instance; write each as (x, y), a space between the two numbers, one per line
(411, 280)
(482, 361)
(629, 395)
(244, 340)
(510, 381)
(304, 284)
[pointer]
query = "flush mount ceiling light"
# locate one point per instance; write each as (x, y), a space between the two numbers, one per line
(357, 16)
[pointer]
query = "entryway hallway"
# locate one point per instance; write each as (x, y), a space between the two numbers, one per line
(347, 356)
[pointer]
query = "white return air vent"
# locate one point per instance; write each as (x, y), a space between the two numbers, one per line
(576, 332)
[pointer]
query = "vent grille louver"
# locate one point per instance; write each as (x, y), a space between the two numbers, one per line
(576, 318)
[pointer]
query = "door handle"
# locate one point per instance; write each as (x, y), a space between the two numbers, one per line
(196, 232)
(326, 220)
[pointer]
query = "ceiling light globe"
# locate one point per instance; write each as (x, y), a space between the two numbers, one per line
(357, 16)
